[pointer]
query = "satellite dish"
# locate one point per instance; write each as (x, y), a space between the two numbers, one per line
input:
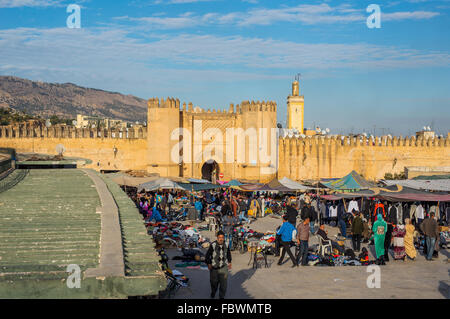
(48, 123)
(324, 132)
(327, 130)
(429, 128)
(74, 123)
(424, 128)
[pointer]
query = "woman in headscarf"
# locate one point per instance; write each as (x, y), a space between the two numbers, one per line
(379, 231)
(388, 240)
(409, 239)
(399, 242)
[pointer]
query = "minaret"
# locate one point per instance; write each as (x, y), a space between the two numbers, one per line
(295, 108)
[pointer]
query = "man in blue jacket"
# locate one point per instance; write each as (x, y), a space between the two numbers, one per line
(286, 232)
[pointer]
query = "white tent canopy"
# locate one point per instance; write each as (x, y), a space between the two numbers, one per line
(289, 183)
(160, 183)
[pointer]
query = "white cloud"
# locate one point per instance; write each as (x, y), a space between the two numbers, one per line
(305, 14)
(28, 3)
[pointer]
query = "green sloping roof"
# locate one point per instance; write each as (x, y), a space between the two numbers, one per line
(233, 182)
(49, 220)
(141, 257)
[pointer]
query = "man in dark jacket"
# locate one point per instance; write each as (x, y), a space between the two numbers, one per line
(357, 230)
(306, 211)
(430, 228)
(218, 259)
(291, 214)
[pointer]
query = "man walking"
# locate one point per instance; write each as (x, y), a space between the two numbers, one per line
(291, 214)
(287, 233)
(357, 230)
(302, 240)
(218, 259)
(430, 228)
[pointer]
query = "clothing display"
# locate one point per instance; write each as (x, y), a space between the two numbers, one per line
(352, 205)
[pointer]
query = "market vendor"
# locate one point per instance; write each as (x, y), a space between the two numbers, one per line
(324, 234)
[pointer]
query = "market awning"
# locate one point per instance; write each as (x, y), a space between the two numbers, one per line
(199, 187)
(275, 186)
(393, 193)
(352, 181)
(294, 185)
(159, 184)
(233, 182)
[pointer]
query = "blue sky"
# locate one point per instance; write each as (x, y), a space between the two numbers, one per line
(394, 79)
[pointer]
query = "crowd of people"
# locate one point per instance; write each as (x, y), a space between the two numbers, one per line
(383, 224)
(400, 227)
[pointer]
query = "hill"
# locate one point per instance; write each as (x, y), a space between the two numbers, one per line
(67, 100)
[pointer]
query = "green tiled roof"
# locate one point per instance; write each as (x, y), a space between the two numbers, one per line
(49, 220)
(141, 258)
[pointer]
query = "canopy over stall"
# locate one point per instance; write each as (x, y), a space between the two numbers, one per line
(199, 187)
(289, 183)
(233, 182)
(394, 193)
(275, 186)
(352, 181)
(159, 184)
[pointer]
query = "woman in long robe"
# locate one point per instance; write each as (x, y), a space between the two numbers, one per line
(379, 231)
(409, 239)
(399, 242)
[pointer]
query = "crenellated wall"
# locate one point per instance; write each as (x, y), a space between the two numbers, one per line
(298, 158)
(319, 157)
(107, 149)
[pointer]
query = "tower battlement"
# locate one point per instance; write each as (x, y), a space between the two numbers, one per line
(245, 106)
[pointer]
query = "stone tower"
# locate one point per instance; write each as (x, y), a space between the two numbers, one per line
(295, 109)
(163, 118)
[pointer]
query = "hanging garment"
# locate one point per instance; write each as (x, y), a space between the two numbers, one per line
(420, 212)
(393, 215)
(333, 211)
(405, 212)
(379, 209)
(353, 205)
(412, 212)
(399, 214)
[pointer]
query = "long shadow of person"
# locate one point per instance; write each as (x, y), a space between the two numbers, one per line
(236, 284)
(444, 288)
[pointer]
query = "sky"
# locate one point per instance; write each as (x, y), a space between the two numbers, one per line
(393, 79)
